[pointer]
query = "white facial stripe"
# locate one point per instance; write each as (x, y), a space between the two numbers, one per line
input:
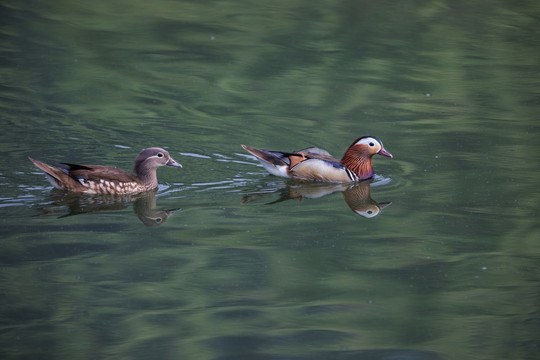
(371, 142)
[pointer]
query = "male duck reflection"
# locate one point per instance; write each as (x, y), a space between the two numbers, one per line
(356, 195)
(98, 179)
(318, 165)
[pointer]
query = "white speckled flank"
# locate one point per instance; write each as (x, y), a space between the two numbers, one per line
(111, 187)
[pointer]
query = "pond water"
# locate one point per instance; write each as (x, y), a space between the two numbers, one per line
(437, 258)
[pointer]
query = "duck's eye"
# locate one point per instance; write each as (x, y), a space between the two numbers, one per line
(160, 155)
(371, 144)
(370, 212)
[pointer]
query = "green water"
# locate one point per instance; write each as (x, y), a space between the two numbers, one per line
(226, 262)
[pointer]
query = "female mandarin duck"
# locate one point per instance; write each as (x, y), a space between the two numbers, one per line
(318, 165)
(97, 179)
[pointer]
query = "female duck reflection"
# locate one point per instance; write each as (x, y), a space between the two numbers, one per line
(357, 195)
(144, 205)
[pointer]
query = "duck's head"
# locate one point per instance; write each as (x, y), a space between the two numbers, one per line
(369, 145)
(152, 158)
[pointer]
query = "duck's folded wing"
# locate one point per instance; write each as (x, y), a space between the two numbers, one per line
(97, 173)
(315, 151)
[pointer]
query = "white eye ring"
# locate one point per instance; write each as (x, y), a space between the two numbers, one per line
(160, 155)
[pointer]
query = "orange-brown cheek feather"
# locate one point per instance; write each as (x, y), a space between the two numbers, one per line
(359, 163)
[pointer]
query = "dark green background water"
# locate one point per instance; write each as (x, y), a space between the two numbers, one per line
(450, 270)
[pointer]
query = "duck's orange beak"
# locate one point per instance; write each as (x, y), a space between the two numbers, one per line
(383, 152)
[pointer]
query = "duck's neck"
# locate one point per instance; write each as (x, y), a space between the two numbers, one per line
(148, 177)
(359, 163)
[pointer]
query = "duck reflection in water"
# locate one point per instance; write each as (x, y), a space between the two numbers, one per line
(357, 195)
(144, 205)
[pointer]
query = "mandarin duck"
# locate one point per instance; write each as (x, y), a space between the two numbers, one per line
(98, 179)
(316, 164)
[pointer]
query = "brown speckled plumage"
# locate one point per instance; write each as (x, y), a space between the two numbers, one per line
(98, 179)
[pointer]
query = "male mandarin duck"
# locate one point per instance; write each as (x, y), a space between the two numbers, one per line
(318, 165)
(97, 179)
